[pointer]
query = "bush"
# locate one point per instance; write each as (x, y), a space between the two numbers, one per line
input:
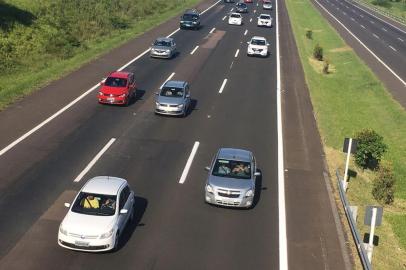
(382, 3)
(309, 34)
(326, 66)
(370, 149)
(318, 52)
(384, 185)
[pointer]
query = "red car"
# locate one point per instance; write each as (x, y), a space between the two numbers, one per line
(247, 1)
(118, 88)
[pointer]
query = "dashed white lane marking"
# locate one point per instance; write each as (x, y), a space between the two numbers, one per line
(212, 30)
(222, 86)
(344, 13)
(224, 18)
(400, 39)
(236, 53)
(250, 19)
(372, 22)
(246, 31)
(192, 52)
(189, 163)
(170, 77)
(362, 16)
(255, 10)
(393, 48)
(231, 9)
(94, 160)
(352, 19)
(346, 6)
(353, 10)
(362, 26)
(375, 35)
(384, 29)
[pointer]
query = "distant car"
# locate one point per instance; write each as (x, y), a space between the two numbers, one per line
(229, 1)
(241, 7)
(173, 98)
(257, 46)
(118, 88)
(163, 48)
(235, 19)
(98, 215)
(190, 19)
(264, 20)
(248, 1)
(231, 179)
(267, 5)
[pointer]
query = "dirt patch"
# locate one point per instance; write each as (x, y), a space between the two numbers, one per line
(318, 66)
(342, 49)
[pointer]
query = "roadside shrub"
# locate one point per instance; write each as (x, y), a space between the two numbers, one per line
(382, 3)
(326, 66)
(370, 149)
(318, 52)
(384, 185)
(309, 34)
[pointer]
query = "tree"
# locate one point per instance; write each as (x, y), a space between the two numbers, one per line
(370, 149)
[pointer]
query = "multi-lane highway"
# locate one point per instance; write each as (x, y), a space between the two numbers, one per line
(381, 42)
(234, 104)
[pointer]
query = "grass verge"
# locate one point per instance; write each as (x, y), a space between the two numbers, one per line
(345, 101)
(398, 9)
(23, 82)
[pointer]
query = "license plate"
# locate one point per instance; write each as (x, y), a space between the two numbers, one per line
(111, 99)
(81, 243)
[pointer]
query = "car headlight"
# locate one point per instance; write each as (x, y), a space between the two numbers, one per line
(194, 22)
(250, 193)
(167, 51)
(209, 189)
(180, 106)
(62, 230)
(107, 234)
(123, 95)
(157, 104)
(101, 93)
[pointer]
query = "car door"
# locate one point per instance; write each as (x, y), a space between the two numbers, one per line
(123, 204)
(187, 96)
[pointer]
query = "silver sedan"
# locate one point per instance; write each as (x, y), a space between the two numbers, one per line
(163, 48)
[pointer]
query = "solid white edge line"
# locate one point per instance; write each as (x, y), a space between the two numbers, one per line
(192, 52)
(170, 77)
(283, 248)
(236, 53)
(369, 50)
(212, 30)
(189, 163)
(222, 86)
(94, 160)
(46, 121)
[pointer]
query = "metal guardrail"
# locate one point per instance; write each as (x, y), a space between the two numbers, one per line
(357, 238)
(381, 11)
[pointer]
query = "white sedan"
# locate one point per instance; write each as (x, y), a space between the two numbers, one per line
(257, 46)
(235, 19)
(98, 215)
(264, 20)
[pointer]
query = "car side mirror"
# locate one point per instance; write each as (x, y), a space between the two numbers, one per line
(156, 93)
(188, 95)
(67, 205)
(267, 44)
(257, 173)
(123, 211)
(248, 43)
(207, 168)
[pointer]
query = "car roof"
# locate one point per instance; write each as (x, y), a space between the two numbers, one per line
(119, 74)
(235, 154)
(164, 39)
(258, 38)
(104, 185)
(175, 84)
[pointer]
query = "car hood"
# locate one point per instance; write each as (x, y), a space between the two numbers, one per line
(87, 224)
(160, 48)
(230, 183)
(113, 90)
(170, 100)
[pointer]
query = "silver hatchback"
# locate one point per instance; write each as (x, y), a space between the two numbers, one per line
(173, 98)
(231, 179)
(163, 48)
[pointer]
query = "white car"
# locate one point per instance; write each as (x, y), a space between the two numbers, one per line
(235, 19)
(267, 5)
(264, 20)
(257, 46)
(98, 215)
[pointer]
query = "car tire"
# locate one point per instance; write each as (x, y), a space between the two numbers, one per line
(116, 241)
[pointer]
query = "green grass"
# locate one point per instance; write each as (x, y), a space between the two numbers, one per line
(396, 8)
(345, 101)
(37, 73)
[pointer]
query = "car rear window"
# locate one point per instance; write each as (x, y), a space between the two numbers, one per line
(232, 169)
(265, 17)
(95, 204)
(171, 92)
(115, 82)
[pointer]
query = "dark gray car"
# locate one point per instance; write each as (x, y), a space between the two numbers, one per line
(241, 7)
(163, 47)
(173, 98)
(231, 179)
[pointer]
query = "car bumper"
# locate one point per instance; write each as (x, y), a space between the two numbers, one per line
(256, 53)
(265, 24)
(112, 100)
(235, 22)
(87, 245)
(187, 25)
(241, 202)
(267, 8)
(160, 55)
(169, 110)
(242, 10)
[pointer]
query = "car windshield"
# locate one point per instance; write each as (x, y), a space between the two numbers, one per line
(163, 43)
(258, 42)
(235, 16)
(95, 204)
(265, 17)
(115, 82)
(232, 169)
(189, 17)
(171, 92)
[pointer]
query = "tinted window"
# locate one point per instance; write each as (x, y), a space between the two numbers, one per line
(171, 92)
(95, 204)
(162, 43)
(124, 196)
(258, 42)
(232, 169)
(235, 16)
(264, 17)
(190, 17)
(115, 82)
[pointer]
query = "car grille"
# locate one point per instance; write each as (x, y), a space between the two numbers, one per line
(83, 236)
(227, 203)
(84, 247)
(110, 95)
(228, 193)
(168, 105)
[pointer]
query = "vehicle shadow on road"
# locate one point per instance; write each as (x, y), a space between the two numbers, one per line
(139, 210)
(138, 95)
(258, 189)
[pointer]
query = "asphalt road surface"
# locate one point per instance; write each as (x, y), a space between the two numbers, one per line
(384, 41)
(174, 228)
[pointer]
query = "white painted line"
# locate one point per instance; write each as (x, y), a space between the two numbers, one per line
(353, 10)
(369, 50)
(372, 22)
(250, 19)
(375, 35)
(224, 18)
(222, 86)
(231, 9)
(257, 4)
(393, 48)
(192, 52)
(212, 30)
(352, 19)
(384, 29)
(189, 163)
(255, 10)
(170, 77)
(346, 6)
(94, 160)
(400, 39)
(362, 16)
(283, 247)
(236, 53)
(344, 13)
(362, 26)
(246, 31)
(76, 100)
